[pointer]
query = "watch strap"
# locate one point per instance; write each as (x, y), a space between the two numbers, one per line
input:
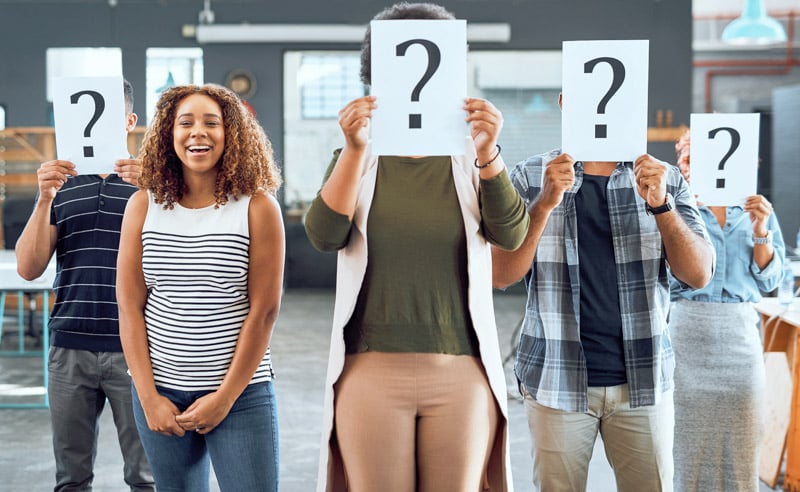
(668, 205)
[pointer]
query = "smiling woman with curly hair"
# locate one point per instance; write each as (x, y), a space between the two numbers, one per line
(199, 280)
(247, 163)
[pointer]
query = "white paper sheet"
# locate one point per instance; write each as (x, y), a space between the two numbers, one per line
(724, 157)
(604, 89)
(419, 77)
(89, 114)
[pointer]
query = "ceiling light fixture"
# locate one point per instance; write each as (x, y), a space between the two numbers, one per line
(754, 27)
(318, 33)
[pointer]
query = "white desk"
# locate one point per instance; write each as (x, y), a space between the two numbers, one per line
(10, 281)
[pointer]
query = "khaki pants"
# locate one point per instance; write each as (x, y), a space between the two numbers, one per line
(410, 422)
(638, 442)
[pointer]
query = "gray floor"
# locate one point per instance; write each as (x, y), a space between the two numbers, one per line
(299, 350)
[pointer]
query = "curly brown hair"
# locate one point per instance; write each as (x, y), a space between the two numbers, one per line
(246, 166)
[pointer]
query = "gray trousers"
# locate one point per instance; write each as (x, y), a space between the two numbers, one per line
(80, 382)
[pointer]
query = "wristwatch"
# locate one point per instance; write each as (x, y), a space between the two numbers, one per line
(669, 204)
(763, 240)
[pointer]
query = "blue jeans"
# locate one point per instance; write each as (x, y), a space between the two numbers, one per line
(243, 447)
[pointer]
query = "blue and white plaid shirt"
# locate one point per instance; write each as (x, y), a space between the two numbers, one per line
(550, 360)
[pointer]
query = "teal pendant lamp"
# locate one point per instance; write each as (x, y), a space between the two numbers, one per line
(754, 27)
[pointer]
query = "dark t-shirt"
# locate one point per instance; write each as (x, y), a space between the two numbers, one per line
(600, 320)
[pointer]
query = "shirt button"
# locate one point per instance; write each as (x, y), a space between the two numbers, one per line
(102, 202)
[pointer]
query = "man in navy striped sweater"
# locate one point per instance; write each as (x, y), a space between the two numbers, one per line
(79, 218)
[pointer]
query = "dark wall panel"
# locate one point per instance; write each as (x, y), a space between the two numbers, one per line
(785, 162)
(28, 28)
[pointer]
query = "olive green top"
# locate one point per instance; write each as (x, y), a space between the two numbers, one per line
(414, 294)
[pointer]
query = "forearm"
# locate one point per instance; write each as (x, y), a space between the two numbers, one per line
(133, 335)
(496, 164)
(503, 214)
(36, 244)
(508, 267)
(326, 230)
(254, 339)
(341, 188)
(763, 254)
(690, 257)
(265, 281)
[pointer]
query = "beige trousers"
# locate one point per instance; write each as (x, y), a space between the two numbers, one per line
(408, 422)
(638, 442)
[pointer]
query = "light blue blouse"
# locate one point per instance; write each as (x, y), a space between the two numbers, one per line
(736, 278)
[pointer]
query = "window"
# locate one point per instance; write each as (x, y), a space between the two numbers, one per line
(2, 117)
(171, 66)
(316, 86)
(524, 85)
(327, 82)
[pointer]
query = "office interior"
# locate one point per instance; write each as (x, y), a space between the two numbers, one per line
(296, 63)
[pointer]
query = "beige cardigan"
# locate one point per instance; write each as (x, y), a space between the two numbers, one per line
(351, 267)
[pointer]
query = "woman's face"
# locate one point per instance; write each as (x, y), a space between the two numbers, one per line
(198, 133)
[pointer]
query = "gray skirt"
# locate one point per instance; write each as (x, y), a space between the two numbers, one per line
(719, 395)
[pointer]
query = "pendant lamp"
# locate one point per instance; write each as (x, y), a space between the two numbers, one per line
(754, 27)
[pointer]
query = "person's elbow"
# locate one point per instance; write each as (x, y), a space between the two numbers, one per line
(503, 283)
(28, 270)
(27, 274)
(323, 245)
(702, 269)
(703, 279)
(503, 277)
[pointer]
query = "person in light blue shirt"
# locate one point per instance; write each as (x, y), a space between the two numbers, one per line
(719, 374)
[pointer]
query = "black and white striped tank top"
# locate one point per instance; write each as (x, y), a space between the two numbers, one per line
(195, 264)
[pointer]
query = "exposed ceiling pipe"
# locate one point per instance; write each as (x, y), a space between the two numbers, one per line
(772, 13)
(750, 66)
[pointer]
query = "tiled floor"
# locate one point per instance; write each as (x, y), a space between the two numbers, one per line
(299, 351)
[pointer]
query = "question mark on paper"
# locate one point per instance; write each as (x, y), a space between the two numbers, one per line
(99, 107)
(618, 69)
(434, 58)
(735, 140)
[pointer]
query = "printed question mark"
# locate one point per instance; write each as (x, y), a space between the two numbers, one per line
(99, 107)
(735, 140)
(618, 70)
(434, 58)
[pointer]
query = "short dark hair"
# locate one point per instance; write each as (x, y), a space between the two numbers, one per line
(399, 11)
(127, 89)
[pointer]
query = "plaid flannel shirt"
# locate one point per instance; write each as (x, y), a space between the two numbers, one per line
(550, 362)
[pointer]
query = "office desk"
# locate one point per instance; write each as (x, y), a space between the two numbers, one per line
(780, 327)
(10, 281)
